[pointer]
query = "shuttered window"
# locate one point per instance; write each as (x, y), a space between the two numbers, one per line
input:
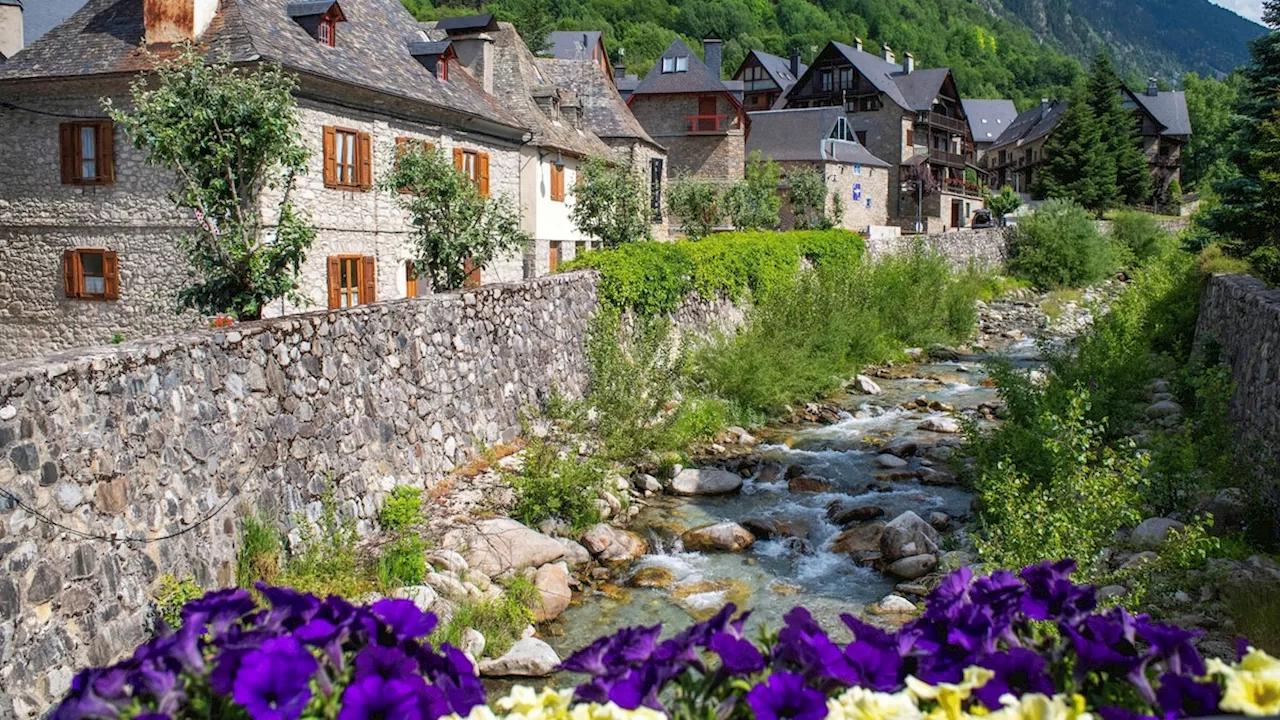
(87, 152)
(91, 274)
(557, 183)
(352, 280)
(410, 279)
(475, 165)
(348, 159)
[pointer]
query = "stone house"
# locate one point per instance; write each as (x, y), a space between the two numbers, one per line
(683, 104)
(821, 139)
(1165, 129)
(1016, 156)
(910, 117)
(87, 231)
(765, 78)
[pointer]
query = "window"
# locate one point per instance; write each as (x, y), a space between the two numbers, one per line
(475, 165)
(327, 30)
(842, 131)
(825, 78)
(655, 188)
(352, 280)
(682, 64)
(442, 69)
(869, 104)
(88, 154)
(348, 159)
(911, 137)
(557, 182)
(862, 137)
(846, 78)
(675, 64)
(91, 274)
(857, 168)
(410, 278)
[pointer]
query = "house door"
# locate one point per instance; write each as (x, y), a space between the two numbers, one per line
(707, 114)
(957, 213)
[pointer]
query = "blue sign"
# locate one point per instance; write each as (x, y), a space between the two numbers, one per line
(857, 191)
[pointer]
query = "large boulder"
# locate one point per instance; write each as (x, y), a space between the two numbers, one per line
(552, 582)
(865, 385)
(859, 540)
(422, 596)
(908, 535)
(940, 425)
(613, 544)
(1152, 533)
(718, 537)
(843, 516)
(499, 545)
(530, 657)
(1229, 509)
(890, 461)
(574, 554)
(911, 568)
(705, 481)
(903, 447)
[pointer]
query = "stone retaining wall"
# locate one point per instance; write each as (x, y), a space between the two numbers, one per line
(122, 463)
(984, 248)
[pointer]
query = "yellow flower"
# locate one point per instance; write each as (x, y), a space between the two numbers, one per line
(525, 703)
(862, 704)
(949, 696)
(1252, 686)
(610, 711)
(1034, 706)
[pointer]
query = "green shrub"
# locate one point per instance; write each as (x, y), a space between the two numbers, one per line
(1138, 237)
(1214, 261)
(696, 204)
(554, 484)
(1256, 613)
(259, 556)
(401, 509)
(753, 202)
(326, 560)
(401, 563)
(1059, 245)
(500, 620)
(175, 592)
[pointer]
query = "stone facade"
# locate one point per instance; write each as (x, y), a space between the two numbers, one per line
(856, 215)
(982, 248)
(148, 454)
(716, 156)
(641, 156)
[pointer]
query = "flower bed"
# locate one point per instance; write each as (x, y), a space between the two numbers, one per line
(1006, 646)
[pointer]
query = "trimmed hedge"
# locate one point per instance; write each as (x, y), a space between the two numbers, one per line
(654, 277)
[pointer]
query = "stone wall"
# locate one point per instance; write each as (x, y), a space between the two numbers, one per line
(122, 463)
(719, 157)
(984, 248)
(1242, 317)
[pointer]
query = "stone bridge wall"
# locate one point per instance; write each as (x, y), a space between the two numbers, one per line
(983, 248)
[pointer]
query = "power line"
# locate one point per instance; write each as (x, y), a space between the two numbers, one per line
(235, 492)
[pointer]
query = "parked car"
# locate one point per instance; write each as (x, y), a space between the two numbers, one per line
(982, 219)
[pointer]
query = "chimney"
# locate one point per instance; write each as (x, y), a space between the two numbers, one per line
(908, 62)
(10, 28)
(167, 22)
(1044, 108)
(711, 48)
(619, 72)
(475, 52)
(886, 52)
(795, 62)
(857, 44)
(1153, 88)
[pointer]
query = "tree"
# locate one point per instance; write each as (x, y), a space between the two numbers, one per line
(1119, 133)
(809, 200)
(1209, 103)
(695, 203)
(533, 19)
(1076, 164)
(231, 138)
(1005, 203)
(610, 203)
(753, 202)
(453, 225)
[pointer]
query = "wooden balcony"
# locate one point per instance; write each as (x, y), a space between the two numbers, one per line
(710, 124)
(955, 125)
(949, 159)
(957, 186)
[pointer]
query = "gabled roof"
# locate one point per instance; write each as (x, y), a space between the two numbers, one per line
(304, 8)
(878, 72)
(572, 44)
(988, 119)
(429, 47)
(1033, 124)
(603, 109)
(921, 86)
(372, 52)
(804, 135)
(696, 79)
(778, 68)
(1169, 108)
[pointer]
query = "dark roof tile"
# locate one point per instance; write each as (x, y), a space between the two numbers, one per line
(805, 135)
(1033, 124)
(572, 44)
(1169, 109)
(988, 119)
(697, 78)
(603, 109)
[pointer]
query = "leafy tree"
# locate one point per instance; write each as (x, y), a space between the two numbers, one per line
(1209, 103)
(753, 202)
(695, 203)
(808, 197)
(533, 19)
(1005, 203)
(1174, 202)
(231, 138)
(610, 203)
(452, 223)
(1059, 246)
(1119, 133)
(1077, 165)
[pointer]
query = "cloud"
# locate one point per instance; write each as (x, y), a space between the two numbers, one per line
(1251, 9)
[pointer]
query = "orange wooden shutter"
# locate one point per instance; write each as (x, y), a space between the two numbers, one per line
(71, 273)
(330, 159)
(111, 275)
(457, 158)
(555, 255)
(557, 183)
(410, 279)
(67, 148)
(473, 273)
(368, 280)
(366, 161)
(335, 295)
(106, 152)
(482, 163)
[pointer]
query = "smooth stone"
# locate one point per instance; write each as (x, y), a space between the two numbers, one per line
(1111, 591)
(1164, 408)
(612, 544)
(892, 605)
(908, 535)
(653, 577)
(472, 643)
(718, 537)
(940, 425)
(862, 539)
(1139, 560)
(939, 520)
(914, 567)
(552, 582)
(808, 484)
(529, 657)
(1153, 533)
(903, 447)
(929, 476)
(865, 385)
(861, 513)
(574, 553)
(499, 545)
(648, 483)
(705, 481)
(887, 460)
(447, 560)
(423, 596)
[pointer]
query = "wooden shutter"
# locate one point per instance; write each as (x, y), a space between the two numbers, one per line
(106, 153)
(457, 158)
(410, 279)
(555, 256)
(335, 295)
(482, 165)
(368, 280)
(330, 161)
(67, 149)
(473, 273)
(366, 161)
(71, 273)
(110, 275)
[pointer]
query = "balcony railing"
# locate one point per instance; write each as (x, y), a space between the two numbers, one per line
(709, 123)
(1165, 161)
(957, 186)
(939, 120)
(942, 157)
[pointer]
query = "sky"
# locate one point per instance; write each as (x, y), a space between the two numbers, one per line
(1251, 9)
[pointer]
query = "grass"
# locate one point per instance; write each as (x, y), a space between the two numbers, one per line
(1055, 303)
(500, 620)
(260, 552)
(1256, 614)
(553, 484)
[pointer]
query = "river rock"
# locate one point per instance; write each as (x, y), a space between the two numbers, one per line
(939, 520)
(705, 481)
(421, 595)
(930, 476)
(447, 560)
(574, 554)
(1152, 533)
(769, 472)
(761, 528)
(648, 483)
(943, 353)
(529, 657)
(471, 643)
(908, 535)
(653, 577)
(552, 582)
(903, 447)
(794, 471)
(911, 568)
(861, 513)
(1164, 408)
(1111, 591)
(892, 605)
(806, 484)
(1138, 560)
(498, 545)
(859, 540)
(940, 425)
(865, 385)
(719, 537)
(887, 460)
(613, 544)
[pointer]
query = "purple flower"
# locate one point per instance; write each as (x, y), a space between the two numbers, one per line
(404, 618)
(1051, 595)
(1182, 696)
(289, 608)
(1017, 671)
(739, 656)
(1173, 644)
(219, 609)
(375, 698)
(784, 695)
(273, 682)
(591, 659)
(874, 657)
(384, 662)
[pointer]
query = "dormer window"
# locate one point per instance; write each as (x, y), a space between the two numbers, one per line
(675, 64)
(842, 131)
(434, 55)
(327, 31)
(319, 18)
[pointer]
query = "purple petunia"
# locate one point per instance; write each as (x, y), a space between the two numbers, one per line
(387, 663)
(1017, 671)
(377, 698)
(784, 695)
(274, 681)
(1182, 696)
(406, 620)
(739, 656)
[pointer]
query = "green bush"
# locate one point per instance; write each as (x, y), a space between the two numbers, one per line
(753, 202)
(175, 592)
(260, 550)
(651, 278)
(500, 620)
(1059, 246)
(402, 563)
(326, 561)
(696, 204)
(402, 508)
(554, 484)
(1139, 237)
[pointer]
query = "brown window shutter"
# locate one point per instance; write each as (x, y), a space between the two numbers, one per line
(473, 273)
(330, 159)
(366, 161)
(410, 279)
(555, 256)
(482, 164)
(71, 273)
(335, 297)
(106, 153)
(457, 158)
(557, 183)
(368, 280)
(111, 275)
(67, 148)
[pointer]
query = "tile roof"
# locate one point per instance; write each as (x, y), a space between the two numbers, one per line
(988, 119)
(372, 51)
(779, 68)
(1033, 124)
(805, 135)
(572, 44)
(921, 86)
(1169, 108)
(603, 109)
(468, 23)
(878, 72)
(697, 78)
(303, 8)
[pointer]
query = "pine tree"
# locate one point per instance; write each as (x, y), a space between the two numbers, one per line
(1119, 133)
(1078, 165)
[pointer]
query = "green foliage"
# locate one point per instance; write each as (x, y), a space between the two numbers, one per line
(553, 484)
(1119, 133)
(654, 277)
(808, 197)
(401, 509)
(175, 592)
(260, 551)
(402, 562)
(533, 19)
(117, 338)
(1255, 610)
(610, 203)
(1214, 260)
(753, 202)
(1006, 202)
(1139, 237)
(1172, 202)
(1209, 103)
(696, 204)
(1198, 455)
(1176, 568)
(1077, 165)
(1059, 246)
(500, 620)
(325, 560)
(452, 222)
(231, 137)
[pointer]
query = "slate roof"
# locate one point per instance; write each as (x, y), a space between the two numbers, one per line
(1033, 124)
(805, 135)
(988, 119)
(572, 44)
(921, 86)
(1169, 108)
(603, 109)
(697, 79)
(15, 3)
(779, 68)
(372, 51)
(468, 23)
(878, 72)
(303, 8)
